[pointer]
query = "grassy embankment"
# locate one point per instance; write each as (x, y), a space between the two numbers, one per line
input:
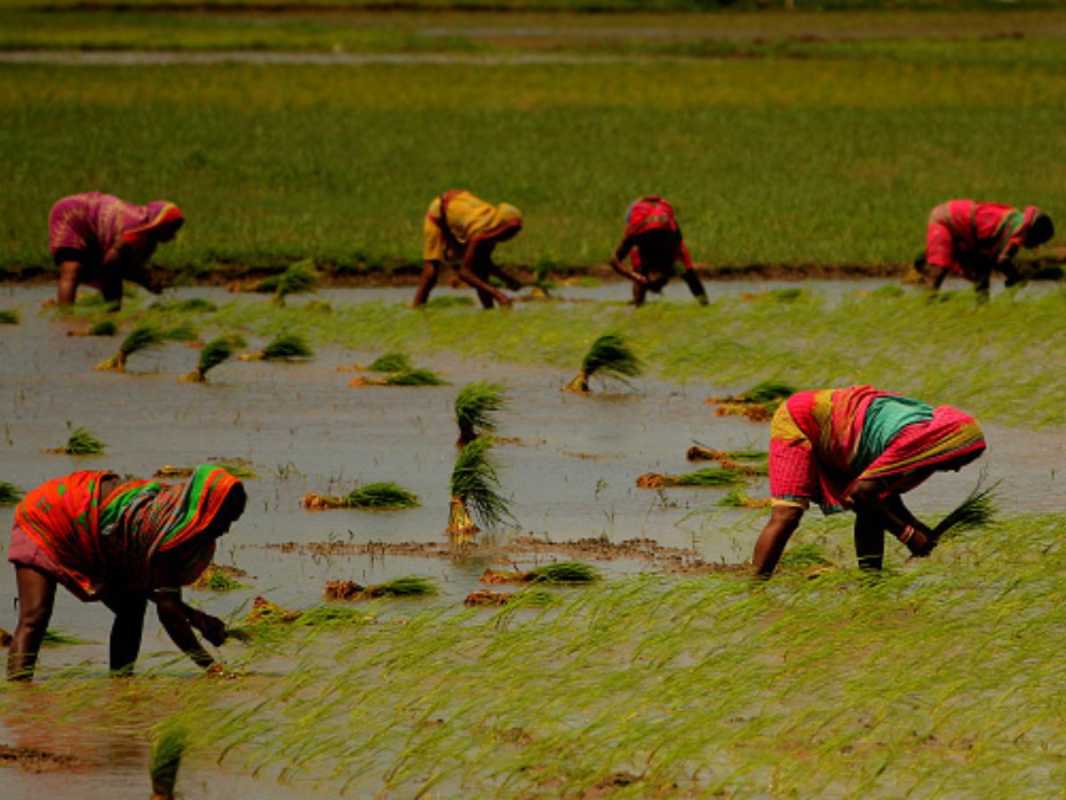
(993, 361)
(943, 677)
(834, 159)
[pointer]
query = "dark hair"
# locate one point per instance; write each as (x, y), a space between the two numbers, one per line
(1040, 231)
(233, 506)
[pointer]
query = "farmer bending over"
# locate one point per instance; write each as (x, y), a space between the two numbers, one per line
(859, 448)
(972, 239)
(654, 243)
(463, 230)
(99, 240)
(124, 543)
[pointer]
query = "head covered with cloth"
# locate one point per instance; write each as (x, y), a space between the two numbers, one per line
(123, 543)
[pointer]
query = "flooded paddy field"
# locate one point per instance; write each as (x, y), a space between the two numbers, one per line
(568, 463)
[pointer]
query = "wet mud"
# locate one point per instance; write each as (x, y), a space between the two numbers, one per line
(37, 761)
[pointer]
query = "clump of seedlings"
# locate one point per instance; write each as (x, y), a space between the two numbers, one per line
(297, 279)
(9, 493)
(182, 332)
(390, 362)
(214, 353)
(699, 452)
(490, 597)
(80, 443)
(475, 409)
(220, 578)
(143, 337)
(449, 301)
(167, 752)
(738, 498)
(57, 638)
(976, 511)
(192, 305)
(757, 404)
(9, 316)
(415, 376)
(476, 492)
(283, 347)
(560, 572)
(409, 586)
(381, 496)
(610, 357)
(709, 476)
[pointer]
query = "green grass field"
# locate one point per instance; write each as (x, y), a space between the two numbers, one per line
(943, 677)
(833, 158)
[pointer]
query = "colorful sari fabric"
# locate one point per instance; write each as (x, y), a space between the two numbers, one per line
(962, 230)
(105, 545)
(95, 225)
(457, 218)
(649, 218)
(822, 443)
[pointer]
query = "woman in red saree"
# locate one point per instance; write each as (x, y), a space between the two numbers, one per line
(654, 244)
(972, 240)
(860, 448)
(123, 543)
(99, 240)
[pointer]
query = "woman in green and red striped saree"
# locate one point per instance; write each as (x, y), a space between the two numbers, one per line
(123, 543)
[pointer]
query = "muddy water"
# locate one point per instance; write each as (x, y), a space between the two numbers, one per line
(304, 429)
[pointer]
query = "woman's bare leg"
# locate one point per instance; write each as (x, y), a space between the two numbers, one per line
(126, 632)
(37, 595)
(69, 278)
(869, 539)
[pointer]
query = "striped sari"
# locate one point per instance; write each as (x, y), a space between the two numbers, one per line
(98, 545)
(824, 442)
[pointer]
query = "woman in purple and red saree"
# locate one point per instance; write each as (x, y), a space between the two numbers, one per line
(99, 240)
(654, 244)
(123, 543)
(860, 448)
(972, 240)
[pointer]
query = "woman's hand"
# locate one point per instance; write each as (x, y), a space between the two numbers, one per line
(213, 629)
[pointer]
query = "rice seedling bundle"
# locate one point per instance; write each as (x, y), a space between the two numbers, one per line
(408, 586)
(976, 511)
(608, 356)
(559, 572)
(214, 353)
(9, 316)
(476, 491)
(475, 409)
(738, 498)
(390, 362)
(383, 495)
(82, 443)
(286, 347)
(9, 493)
(220, 578)
(414, 377)
(167, 752)
(140, 338)
(297, 279)
(709, 476)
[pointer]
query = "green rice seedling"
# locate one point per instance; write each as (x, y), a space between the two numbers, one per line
(804, 555)
(105, 327)
(449, 301)
(563, 572)
(81, 443)
(738, 498)
(475, 489)
(414, 377)
(409, 586)
(709, 476)
(167, 752)
(57, 638)
(140, 338)
(9, 493)
(475, 409)
(220, 578)
(283, 347)
(382, 496)
(390, 362)
(214, 353)
(182, 332)
(766, 392)
(610, 356)
(9, 316)
(191, 305)
(976, 511)
(237, 467)
(297, 279)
